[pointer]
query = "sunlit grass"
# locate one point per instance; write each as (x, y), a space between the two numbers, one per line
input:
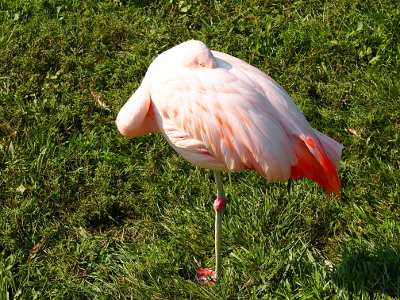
(88, 214)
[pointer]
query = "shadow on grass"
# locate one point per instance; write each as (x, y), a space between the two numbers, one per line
(115, 215)
(370, 270)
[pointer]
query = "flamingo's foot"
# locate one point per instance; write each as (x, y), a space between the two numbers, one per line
(206, 277)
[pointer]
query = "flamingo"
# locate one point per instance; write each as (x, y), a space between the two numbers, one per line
(220, 113)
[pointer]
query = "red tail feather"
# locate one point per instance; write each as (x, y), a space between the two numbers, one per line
(313, 163)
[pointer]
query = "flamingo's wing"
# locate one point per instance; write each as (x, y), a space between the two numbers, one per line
(237, 117)
(318, 155)
(225, 117)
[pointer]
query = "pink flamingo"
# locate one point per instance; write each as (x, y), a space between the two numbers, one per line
(223, 114)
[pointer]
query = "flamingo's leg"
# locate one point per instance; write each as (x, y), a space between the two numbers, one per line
(219, 206)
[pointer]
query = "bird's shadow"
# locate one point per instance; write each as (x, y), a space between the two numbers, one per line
(369, 270)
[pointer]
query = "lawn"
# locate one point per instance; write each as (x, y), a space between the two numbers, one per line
(89, 214)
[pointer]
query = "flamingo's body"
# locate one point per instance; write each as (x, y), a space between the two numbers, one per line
(223, 114)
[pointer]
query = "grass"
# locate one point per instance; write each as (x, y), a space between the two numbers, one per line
(88, 214)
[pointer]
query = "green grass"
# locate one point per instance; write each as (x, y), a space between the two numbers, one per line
(118, 218)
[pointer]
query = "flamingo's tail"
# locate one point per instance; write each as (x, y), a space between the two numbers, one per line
(318, 159)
